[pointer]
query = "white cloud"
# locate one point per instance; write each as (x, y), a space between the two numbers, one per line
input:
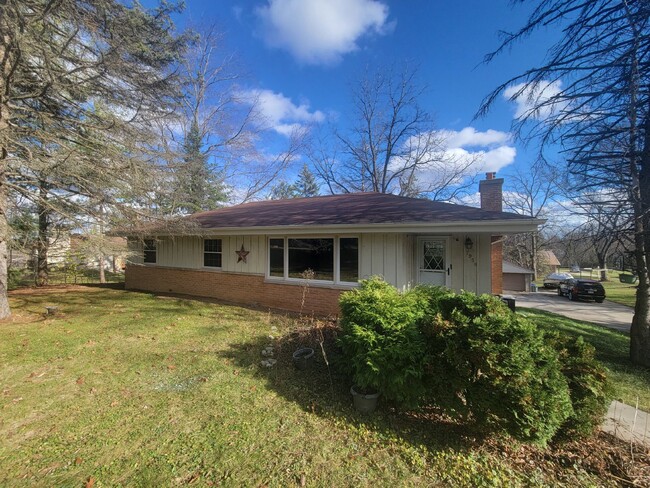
(488, 151)
(535, 100)
(455, 156)
(320, 31)
(279, 112)
(470, 137)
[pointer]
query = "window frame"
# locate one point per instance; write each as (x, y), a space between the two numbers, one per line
(148, 249)
(336, 281)
(212, 252)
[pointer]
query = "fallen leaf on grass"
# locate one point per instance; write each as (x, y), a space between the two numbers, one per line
(171, 367)
(80, 380)
(90, 483)
(77, 461)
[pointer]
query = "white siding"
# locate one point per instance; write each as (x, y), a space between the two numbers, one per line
(134, 247)
(255, 260)
(485, 264)
(392, 256)
(180, 252)
(457, 243)
(389, 256)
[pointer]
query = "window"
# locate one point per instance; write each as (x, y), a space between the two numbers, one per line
(149, 248)
(276, 258)
(349, 259)
(322, 259)
(212, 253)
(311, 255)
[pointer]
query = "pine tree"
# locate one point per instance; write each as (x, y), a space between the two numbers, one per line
(305, 185)
(199, 187)
(58, 62)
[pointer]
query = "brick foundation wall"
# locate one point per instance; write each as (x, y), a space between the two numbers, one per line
(233, 287)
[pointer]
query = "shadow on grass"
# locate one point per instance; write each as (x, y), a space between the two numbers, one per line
(118, 285)
(325, 391)
(611, 345)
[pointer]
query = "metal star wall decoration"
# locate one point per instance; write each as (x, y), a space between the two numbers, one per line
(241, 254)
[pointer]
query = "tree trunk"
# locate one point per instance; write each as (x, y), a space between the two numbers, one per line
(102, 274)
(640, 329)
(533, 253)
(42, 267)
(602, 264)
(5, 69)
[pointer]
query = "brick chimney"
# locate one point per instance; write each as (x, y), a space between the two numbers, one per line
(491, 190)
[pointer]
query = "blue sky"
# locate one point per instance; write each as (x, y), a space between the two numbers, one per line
(302, 56)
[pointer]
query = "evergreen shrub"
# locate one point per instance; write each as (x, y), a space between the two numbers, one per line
(490, 365)
(381, 343)
(589, 387)
(474, 358)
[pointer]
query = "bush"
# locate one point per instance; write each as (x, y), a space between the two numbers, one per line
(589, 386)
(381, 344)
(474, 358)
(490, 365)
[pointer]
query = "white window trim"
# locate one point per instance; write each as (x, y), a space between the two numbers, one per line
(211, 268)
(301, 281)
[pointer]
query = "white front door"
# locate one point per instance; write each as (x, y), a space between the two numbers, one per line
(433, 261)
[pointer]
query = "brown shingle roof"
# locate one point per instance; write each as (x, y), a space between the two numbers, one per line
(346, 209)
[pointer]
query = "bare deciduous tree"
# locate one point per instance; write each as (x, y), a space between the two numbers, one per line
(592, 95)
(532, 193)
(392, 145)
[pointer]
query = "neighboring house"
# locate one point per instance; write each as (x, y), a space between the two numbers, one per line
(257, 253)
(548, 261)
(115, 248)
(516, 278)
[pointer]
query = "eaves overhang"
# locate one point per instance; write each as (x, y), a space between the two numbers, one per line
(493, 227)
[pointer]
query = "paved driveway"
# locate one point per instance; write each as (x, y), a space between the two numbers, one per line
(609, 314)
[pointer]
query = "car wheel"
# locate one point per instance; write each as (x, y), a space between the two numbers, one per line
(572, 297)
(599, 300)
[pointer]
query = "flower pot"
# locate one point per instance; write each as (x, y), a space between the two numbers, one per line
(364, 403)
(303, 357)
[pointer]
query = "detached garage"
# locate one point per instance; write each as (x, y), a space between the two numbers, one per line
(516, 278)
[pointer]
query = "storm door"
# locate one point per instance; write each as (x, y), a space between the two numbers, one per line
(433, 261)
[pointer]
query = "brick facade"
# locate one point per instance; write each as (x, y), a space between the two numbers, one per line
(240, 288)
(496, 264)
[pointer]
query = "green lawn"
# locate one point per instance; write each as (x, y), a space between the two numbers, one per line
(618, 292)
(130, 389)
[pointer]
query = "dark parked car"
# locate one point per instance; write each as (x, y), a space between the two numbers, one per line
(576, 288)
